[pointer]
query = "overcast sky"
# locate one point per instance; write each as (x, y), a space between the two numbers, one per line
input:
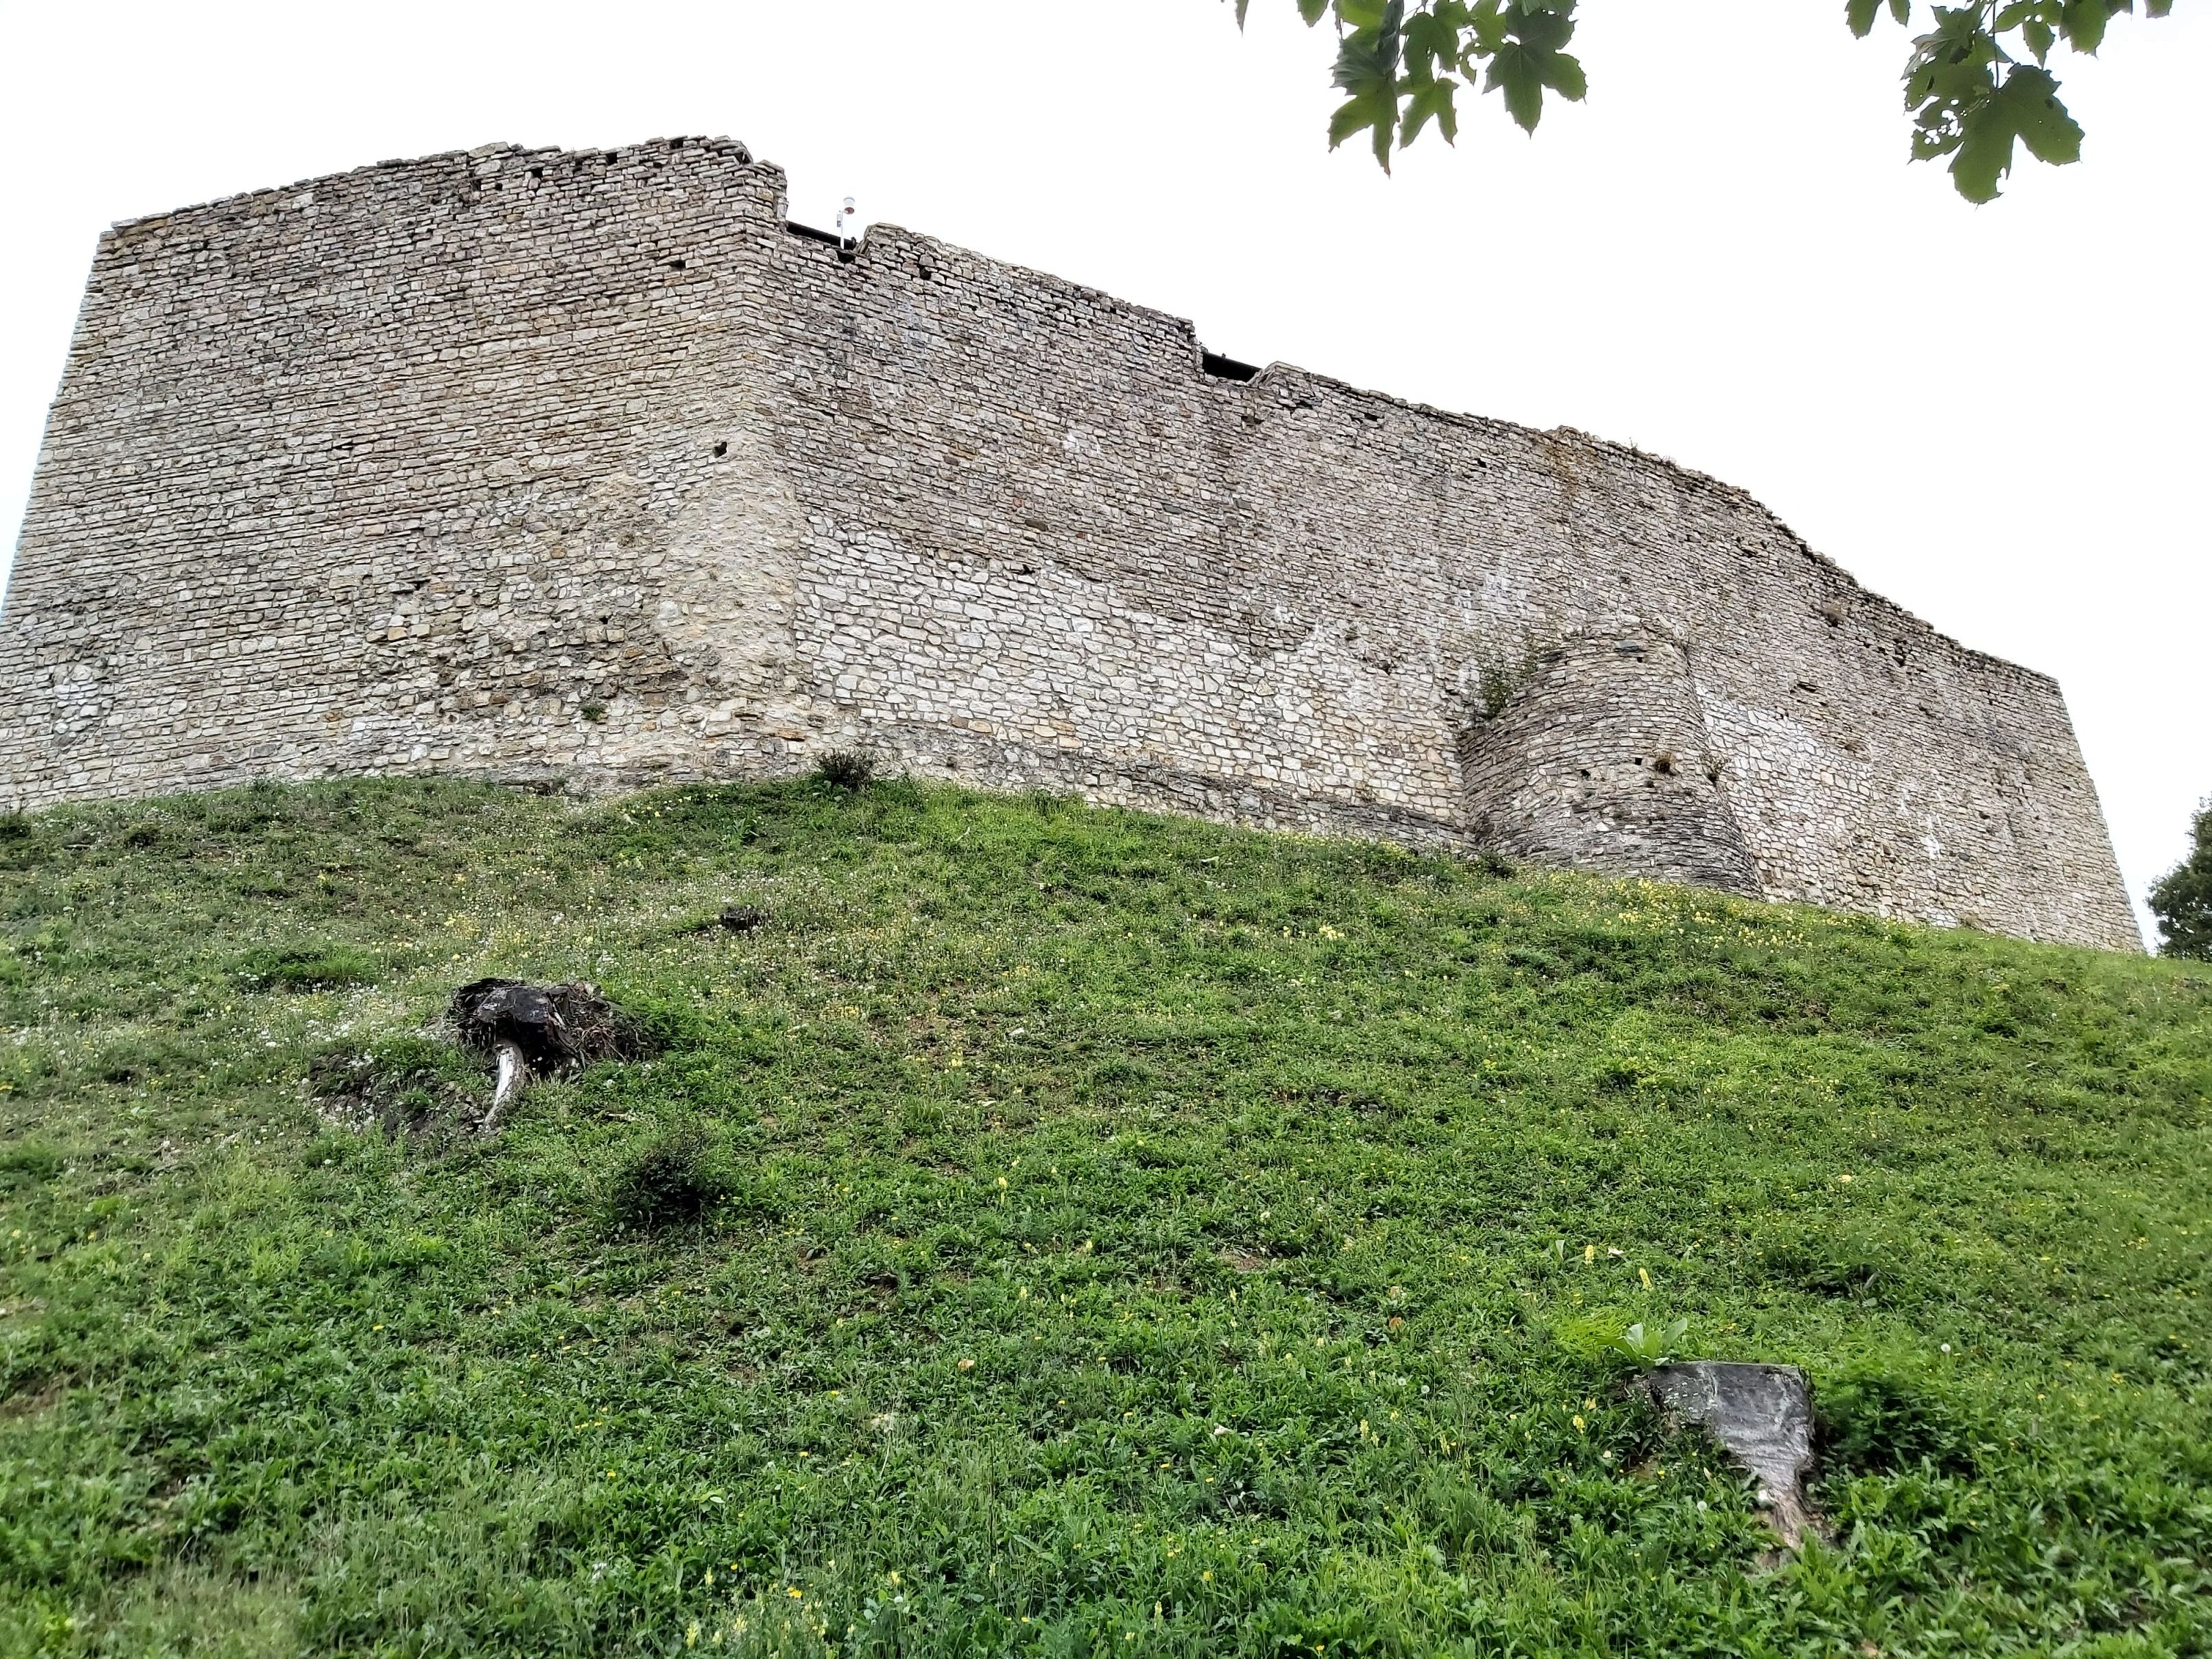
(1996, 416)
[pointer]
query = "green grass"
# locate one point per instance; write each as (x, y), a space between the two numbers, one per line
(1120, 1236)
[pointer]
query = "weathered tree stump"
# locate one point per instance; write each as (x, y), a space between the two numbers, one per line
(1760, 1415)
(537, 1031)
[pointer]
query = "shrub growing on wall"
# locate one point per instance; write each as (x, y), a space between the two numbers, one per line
(2181, 900)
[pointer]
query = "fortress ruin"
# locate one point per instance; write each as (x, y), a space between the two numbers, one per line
(591, 468)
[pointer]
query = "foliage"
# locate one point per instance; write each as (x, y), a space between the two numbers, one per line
(1141, 1236)
(1977, 83)
(318, 966)
(847, 768)
(2182, 898)
(673, 1182)
(22, 1163)
(1653, 1344)
(1873, 1420)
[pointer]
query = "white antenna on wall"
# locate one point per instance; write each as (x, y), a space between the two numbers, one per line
(845, 238)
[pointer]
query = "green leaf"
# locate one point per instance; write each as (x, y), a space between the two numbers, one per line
(1352, 116)
(2038, 36)
(1242, 7)
(1543, 30)
(1528, 57)
(1362, 13)
(1372, 111)
(1514, 72)
(1985, 153)
(2031, 99)
(2083, 22)
(1431, 100)
(1368, 58)
(1357, 115)
(2026, 110)
(1432, 38)
(1951, 73)
(1313, 11)
(1652, 1344)
(1860, 14)
(1367, 69)
(1487, 24)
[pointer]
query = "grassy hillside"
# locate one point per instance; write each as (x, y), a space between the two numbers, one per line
(1134, 1237)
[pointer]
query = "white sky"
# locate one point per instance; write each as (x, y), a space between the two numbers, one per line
(1997, 416)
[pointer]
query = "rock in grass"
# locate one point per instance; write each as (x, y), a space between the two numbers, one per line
(1760, 1415)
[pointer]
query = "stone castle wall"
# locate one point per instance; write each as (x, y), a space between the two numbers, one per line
(535, 465)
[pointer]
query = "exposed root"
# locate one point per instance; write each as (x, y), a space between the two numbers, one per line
(514, 1072)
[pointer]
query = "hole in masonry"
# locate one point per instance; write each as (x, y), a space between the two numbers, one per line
(720, 450)
(675, 264)
(1227, 368)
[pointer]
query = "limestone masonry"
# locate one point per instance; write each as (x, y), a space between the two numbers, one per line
(590, 468)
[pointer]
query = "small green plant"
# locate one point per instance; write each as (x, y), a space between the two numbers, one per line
(1497, 689)
(851, 769)
(14, 826)
(1652, 1344)
(304, 968)
(674, 1182)
(136, 1056)
(596, 713)
(1871, 1421)
(27, 1165)
(328, 1149)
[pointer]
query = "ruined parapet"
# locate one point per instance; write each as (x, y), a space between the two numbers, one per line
(590, 468)
(1597, 757)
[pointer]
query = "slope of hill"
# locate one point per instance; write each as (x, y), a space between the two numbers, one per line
(1131, 1236)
